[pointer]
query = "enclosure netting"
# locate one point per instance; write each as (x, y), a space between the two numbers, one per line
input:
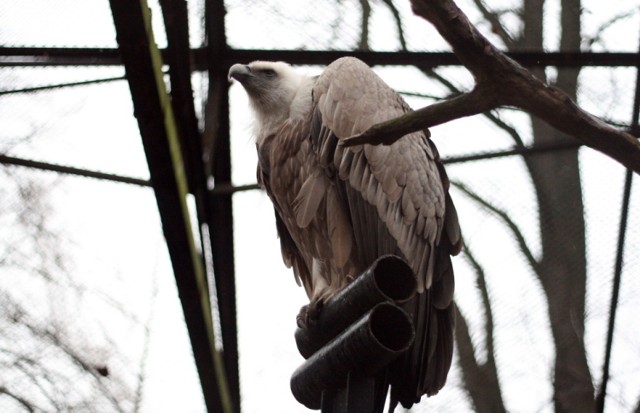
(89, 313)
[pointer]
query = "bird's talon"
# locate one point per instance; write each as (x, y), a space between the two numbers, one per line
(309, 314)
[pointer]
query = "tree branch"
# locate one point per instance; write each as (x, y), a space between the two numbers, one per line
(522, 244)
(36, 373)
(597, 36)
(144, 358)
(500, 81)
(510, 130)
(364, 25)
(480, 380)
(496, 25)
(486, 303)
(24, 402)
(444, 111)
(398, 19)
(82, 364)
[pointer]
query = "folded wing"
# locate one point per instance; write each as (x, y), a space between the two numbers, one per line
(396, 200)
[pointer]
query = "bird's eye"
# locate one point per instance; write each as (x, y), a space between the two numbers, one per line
(268, 72)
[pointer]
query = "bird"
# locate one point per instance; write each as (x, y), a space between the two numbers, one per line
(338, 208)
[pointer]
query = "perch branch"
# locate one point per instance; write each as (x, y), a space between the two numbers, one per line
(466, 104)
(500, 81)
(489, 115)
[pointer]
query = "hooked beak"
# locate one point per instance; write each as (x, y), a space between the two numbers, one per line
(239, 72)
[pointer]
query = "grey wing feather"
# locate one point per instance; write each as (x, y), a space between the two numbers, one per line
(401, 181)
(308, 199)
(404, 189)
(339, 228)
(292, 254)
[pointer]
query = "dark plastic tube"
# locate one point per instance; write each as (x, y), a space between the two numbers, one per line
(364, 348)
(388, 279)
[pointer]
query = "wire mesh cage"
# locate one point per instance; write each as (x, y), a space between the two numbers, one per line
(90, 314)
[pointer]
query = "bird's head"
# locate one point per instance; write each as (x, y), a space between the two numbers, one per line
(272, 88)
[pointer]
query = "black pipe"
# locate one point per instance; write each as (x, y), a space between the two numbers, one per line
(59, 56)
(389, 278)
(367, 346)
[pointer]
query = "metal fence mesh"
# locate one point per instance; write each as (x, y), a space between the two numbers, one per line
(89, 315)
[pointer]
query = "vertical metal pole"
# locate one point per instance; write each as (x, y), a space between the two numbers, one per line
(160, 137)
(217, 155)
(602, 394)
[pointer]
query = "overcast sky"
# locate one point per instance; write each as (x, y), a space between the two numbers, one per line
(115, 242)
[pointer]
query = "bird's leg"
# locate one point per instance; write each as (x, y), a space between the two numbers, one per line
(309, 313)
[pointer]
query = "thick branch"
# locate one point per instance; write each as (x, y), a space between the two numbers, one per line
(500, 81)
(467, 104)
(493, 118)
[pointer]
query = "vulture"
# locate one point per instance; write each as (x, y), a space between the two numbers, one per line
(339, 208)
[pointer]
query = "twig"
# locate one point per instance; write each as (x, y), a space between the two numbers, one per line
(398, 19)
(496, 25)
(504, 217)
(22, 401)
(364, 25)
(597, 36)
(481, 379)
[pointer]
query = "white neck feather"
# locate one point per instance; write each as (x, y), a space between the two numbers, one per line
(290, 102)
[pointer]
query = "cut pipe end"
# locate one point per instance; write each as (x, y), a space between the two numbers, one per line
(395, 278)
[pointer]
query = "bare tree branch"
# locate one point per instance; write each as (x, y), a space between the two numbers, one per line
(500, 81)
(420, 95)
(467, 104)
(504, 217)
(50, 357)
(496, 26)
(597, 36)
(75, 358)
(23, 402)
(364, 25)
(486, 302)
(473, 373)
(510, 130)
(481, 380)
(398, 19)
(36, 373)
(430, 72)
(145, 349)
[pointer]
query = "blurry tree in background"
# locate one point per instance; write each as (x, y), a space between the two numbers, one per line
(561, 269)
(52, 356)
